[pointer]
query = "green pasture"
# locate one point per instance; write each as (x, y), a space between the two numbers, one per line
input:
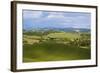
(55, 46)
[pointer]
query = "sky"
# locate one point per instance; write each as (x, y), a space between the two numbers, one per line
(55, 19)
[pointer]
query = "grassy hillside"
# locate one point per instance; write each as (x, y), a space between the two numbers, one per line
(54, 46)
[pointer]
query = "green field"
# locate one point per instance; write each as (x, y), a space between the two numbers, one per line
(55, 46)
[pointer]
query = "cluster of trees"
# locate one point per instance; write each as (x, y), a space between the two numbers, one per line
(83, 40)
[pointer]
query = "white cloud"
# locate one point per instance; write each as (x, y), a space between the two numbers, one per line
(32, 14)
(59, 16)
(55, 15)
(82, 25)
(81, 16)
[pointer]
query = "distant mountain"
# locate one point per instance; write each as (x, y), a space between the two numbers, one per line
(71, 29)
(60, 29)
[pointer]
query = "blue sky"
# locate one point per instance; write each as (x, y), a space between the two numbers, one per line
(54, 19)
